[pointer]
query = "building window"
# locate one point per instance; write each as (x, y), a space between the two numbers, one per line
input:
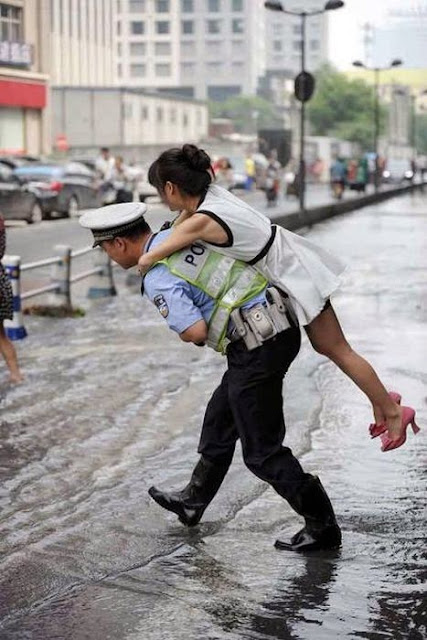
(213, 48)
(162, 48)
(162, 27)
(277, 28)
(277, 45)
(296, 29)
(237, 25)
(119, 28)
(119, 49)
(213, 6)
(159, 112)
(297, 45)
(314, 45)
(10, 23)
(187, 6)
(144, 112)
(162, 6)
(137, 48)
(213, 26)
(185, 119)
(127, 110)
(237, 5)
(237, 47)
(162, 70)
(137, 28)
(172, 115)
(188, 68)
(214, 67)
(136, 6)
(187, 26)
(188, 49)
(119, 70)
(137, 70)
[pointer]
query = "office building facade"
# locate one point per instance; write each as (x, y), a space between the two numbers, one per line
(203, 49)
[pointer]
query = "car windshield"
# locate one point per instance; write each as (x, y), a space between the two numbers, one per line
(41, 172)
(397, 165)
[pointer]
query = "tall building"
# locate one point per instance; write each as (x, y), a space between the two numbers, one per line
(402, 35)
(82, 41)
(24, 60)
(284, 39)
(205, 49)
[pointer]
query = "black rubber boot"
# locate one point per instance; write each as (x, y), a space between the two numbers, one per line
(190, 503)
(321, 530)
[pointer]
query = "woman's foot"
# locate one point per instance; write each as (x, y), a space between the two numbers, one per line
(16, 378)
(394, 423)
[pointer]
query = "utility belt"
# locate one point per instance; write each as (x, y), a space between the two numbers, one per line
(262, 322)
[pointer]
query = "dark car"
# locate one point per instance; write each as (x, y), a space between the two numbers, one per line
(62, 188)
(16, 202)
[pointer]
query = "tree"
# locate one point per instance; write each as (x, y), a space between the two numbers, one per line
(249, 113)
(343, 108)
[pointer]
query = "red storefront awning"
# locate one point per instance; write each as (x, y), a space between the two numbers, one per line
(14, 93)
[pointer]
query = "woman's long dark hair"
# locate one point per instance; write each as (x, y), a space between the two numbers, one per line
(188, 167)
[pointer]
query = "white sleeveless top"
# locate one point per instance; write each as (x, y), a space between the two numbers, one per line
(305, 271)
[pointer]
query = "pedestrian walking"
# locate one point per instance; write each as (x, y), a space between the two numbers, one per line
(228, 306)
(6, 313)
(305, 272)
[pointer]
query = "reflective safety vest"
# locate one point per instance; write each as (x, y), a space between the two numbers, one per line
(229, 282)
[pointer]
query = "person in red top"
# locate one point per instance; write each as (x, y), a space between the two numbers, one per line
(6, 312)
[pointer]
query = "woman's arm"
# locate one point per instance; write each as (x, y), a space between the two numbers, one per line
(194, 228)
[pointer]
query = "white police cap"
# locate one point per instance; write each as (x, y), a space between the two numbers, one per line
(108, 222)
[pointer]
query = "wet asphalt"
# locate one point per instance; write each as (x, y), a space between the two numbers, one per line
(113, 403)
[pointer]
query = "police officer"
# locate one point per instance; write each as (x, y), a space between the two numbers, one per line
(208, 298)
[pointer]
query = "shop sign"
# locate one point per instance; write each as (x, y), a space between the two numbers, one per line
(15, 53)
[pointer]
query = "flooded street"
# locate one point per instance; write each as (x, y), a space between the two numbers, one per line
(113, 403)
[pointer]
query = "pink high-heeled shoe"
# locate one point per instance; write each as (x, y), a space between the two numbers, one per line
(377, 429)
(408, 418)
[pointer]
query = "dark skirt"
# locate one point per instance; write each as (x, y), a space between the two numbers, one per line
(6, 296)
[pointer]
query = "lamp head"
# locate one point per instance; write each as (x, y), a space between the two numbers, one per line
(396, 62)
(333, 4)
(358, 63)
(273, 5)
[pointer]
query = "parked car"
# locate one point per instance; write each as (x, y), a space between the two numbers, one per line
(62, 188)
(16, 202)
(398, 170)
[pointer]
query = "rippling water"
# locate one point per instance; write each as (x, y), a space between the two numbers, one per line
(113, 403)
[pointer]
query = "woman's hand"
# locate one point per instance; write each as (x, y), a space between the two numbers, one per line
(144, 264)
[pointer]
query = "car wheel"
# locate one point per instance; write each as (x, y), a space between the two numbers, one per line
(36, 214)
(73, 207)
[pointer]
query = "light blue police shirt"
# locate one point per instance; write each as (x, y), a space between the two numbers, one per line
(180, 303)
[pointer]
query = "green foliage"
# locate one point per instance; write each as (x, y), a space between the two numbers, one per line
(248, 113)
(343, 108)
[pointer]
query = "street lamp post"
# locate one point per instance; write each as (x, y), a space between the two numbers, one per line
(274, 5)
(394, 63)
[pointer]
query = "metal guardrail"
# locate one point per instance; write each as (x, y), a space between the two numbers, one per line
(61, 280)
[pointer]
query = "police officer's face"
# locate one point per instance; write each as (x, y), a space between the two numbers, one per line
(171, 196)
(120, 251)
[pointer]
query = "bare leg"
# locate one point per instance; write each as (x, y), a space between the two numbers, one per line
(9, 354)
(327, 338)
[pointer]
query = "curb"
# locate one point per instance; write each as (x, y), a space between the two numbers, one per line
(296, 220)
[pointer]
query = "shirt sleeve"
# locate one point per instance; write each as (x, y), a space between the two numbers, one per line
(171, 297)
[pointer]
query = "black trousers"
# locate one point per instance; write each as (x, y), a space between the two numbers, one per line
(248, 404)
